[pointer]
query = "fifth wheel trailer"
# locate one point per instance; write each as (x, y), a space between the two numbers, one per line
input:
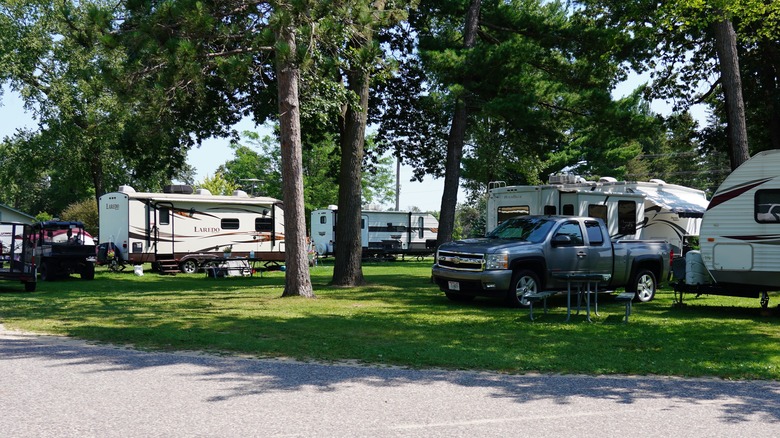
(651, 210)
(381, 232)
(186, 230)
(740, 236)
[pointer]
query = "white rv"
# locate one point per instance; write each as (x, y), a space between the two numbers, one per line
(652, 210)
(188, 230)
(740, 235)
(381, 232)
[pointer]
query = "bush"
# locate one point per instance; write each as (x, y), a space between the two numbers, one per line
(84, 211)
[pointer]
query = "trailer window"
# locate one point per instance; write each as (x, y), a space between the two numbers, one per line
(323, 219)
(264, 224)
(567, 210)
(626, 217)
(549, 209)
(165, 216)
(421, 227)
(767, 206)
(595, 237)
(389, 228)
(598, 211)
(229, 224)
(506, 212)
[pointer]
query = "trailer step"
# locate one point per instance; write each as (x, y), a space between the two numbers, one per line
(168, 267)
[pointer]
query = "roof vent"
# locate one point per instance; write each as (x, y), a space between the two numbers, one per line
(126, 189)
(657, 181)
(205, 192)
(607, 179)
(240, 194)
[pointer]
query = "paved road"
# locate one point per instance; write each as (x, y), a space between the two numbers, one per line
(57, 387)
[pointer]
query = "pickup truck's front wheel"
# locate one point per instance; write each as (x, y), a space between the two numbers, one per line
(523, 282)
(644, 285)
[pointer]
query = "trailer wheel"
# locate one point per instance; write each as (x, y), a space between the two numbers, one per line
(644, 285)
(44, 271)
(189, 266)
(523, 282)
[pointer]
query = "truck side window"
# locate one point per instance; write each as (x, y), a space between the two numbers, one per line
(571, 229)
(595, 237)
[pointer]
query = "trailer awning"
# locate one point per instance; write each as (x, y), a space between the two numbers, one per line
(683, 204)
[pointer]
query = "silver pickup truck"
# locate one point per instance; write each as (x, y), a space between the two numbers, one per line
(528, 254)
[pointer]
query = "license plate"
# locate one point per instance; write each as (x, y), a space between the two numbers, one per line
(453, 285)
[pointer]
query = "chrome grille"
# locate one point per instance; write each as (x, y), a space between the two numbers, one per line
(461, 261)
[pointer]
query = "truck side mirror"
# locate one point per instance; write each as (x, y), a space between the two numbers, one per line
(561, 240)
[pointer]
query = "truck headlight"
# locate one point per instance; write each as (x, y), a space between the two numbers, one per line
(497, 261)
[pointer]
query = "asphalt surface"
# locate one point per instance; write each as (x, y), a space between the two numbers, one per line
(58, 387)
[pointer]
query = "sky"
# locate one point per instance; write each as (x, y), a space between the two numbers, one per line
(205, 159)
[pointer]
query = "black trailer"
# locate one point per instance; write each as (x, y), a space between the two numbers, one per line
(17, 259)
(63, 248)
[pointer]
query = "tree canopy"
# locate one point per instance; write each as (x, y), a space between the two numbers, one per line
(122, 90)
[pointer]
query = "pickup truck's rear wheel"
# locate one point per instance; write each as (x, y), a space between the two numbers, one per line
(644, 285)
(523, 282)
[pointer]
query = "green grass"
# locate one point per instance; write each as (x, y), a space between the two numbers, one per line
(400, 318)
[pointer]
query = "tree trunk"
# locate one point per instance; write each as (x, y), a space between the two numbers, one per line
(455, 140)
(297, 281)
(769, 69)
(726, 46)
(347, 268)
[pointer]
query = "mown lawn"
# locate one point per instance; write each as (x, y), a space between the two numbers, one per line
(400, 318)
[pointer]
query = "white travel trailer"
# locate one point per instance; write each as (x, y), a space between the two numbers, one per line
(187, 230)
(381, 232)
(652, 210)
(740, 235)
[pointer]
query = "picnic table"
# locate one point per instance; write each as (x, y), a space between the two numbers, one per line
(583, 282)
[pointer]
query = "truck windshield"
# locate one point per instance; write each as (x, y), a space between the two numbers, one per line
(524, 228)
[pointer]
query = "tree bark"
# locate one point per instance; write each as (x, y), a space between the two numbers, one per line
(769, 83)
(726, 47)
(297, 279)
(455, 140)
(347, 268)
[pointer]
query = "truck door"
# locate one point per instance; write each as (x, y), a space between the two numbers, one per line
(577, 255)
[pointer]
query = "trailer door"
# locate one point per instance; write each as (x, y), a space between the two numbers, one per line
(163, 229)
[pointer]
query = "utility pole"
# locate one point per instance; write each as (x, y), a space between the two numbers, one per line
(397, 183)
